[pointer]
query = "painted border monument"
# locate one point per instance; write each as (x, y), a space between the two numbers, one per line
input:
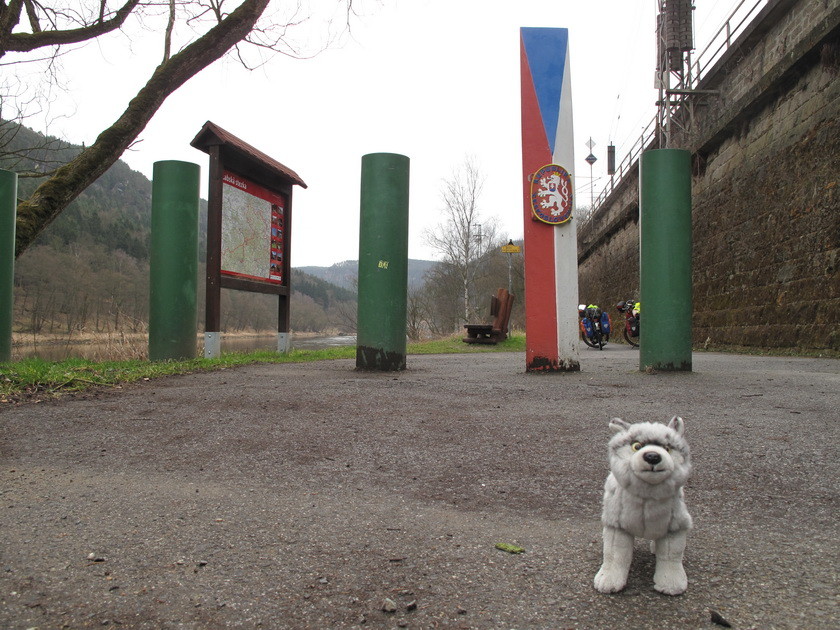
(551, 281)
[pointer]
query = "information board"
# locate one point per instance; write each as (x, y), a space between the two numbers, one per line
(252, 230)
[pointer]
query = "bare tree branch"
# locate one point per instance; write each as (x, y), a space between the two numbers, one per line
(211, 31)
(26, 42)
(167, 40)
(51, 197)
(33, 16)
(9, 18)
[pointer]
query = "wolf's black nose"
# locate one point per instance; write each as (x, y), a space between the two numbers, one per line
(652, 458)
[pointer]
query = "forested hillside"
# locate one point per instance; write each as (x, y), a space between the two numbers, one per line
(115, 211)
(89, 270)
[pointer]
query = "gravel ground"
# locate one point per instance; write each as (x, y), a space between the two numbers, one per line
(314, 496)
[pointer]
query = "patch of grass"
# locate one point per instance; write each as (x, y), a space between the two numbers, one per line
(454, 345)
(35, 379)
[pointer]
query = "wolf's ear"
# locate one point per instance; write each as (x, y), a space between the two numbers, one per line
(677, 425)
(618, 425)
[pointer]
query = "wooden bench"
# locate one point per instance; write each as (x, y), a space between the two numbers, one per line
(500, 308)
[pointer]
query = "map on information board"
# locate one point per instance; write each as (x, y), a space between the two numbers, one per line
(252, 230)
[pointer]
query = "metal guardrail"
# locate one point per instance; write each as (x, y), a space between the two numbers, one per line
(720, 42)
(722, 39)
(622, 169)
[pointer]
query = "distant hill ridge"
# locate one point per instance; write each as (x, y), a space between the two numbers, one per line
(346, 274)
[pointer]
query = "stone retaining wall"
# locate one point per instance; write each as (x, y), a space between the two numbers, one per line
(766, 221)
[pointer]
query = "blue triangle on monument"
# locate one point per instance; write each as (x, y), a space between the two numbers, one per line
(546, 49)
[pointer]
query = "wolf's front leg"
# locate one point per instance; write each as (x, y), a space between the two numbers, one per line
(618, 554)
(669, 577)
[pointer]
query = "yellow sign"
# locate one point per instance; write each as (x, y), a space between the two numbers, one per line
(511, 249)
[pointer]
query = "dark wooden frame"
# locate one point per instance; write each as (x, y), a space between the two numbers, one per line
(227, 152)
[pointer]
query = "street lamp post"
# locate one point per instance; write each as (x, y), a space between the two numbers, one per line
(591, 159)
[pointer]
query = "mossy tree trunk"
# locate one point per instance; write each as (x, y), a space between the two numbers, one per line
(55, 194)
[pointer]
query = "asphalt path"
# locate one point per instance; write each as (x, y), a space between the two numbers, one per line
(316, 496)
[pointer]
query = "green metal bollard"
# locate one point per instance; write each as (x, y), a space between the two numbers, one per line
(665, 260)
(383, 263)
(173, 321)
(8, 216)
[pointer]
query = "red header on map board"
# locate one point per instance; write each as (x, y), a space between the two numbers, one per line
(237, 181)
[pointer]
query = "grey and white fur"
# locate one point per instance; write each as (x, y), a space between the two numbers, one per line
(643, 498)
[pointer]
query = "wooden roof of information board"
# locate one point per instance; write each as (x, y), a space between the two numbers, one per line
(242, 157)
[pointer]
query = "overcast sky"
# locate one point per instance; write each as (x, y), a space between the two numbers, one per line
(435, 80)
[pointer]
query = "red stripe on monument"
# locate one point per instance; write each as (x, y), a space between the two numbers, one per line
(540, 291)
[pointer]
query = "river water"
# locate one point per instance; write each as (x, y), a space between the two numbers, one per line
(118, 349)
(269, 342)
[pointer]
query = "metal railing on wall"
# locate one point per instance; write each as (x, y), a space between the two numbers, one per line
(744, 12)
(741, 16)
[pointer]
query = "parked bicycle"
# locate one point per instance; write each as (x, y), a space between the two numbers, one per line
(595, 325)
(632, 324)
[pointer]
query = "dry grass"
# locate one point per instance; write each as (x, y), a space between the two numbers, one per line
(111, 346)
(107, 346)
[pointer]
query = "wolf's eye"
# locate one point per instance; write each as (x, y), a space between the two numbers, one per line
(636, 446)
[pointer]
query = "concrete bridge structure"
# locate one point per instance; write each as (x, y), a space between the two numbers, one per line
(764, 131)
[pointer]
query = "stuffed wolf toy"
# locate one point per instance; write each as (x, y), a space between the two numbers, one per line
(643, 497)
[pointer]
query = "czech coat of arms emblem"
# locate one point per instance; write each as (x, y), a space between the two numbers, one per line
(551, 194)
